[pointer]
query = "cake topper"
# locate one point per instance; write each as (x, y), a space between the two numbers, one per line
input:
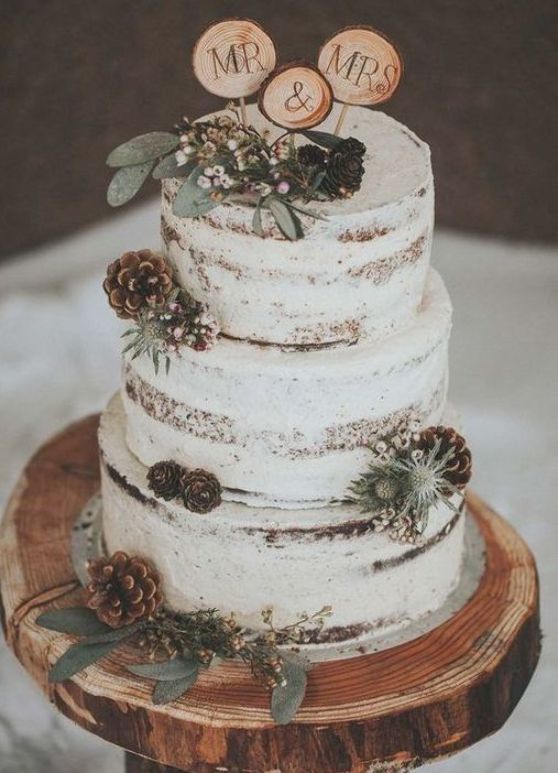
(296, 96)
(232, 58)
(362, 66)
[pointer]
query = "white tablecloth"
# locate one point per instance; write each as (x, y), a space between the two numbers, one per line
(59, 359)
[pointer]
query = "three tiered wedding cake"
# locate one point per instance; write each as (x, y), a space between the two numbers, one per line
(290, 464)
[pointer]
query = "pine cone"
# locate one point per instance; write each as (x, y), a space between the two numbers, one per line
(345, 169)
(123, 589)
(135, 280)
(311, 155)
(458, 468)
(201, 492)
(165, 479)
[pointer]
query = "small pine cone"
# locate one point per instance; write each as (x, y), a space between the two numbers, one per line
(345, 169)
(311, 155)
(123, 589)
(165, 479)
(135, 280)
(458, 467)
(201, 491)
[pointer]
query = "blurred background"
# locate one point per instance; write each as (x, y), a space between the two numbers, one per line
(78, 78)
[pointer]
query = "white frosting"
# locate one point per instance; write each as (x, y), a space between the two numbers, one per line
(288, 426)
(360, 273)
(243, 559)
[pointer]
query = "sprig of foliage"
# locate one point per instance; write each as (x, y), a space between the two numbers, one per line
(222, 159)
(179, 321)
(179, 645)
(404, 481)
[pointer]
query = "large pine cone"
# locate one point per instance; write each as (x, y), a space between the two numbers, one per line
(135, 280)
(311, 155)
(201, 491)
(345, 169)
(165, 479)
(123, 589)
(458, 468)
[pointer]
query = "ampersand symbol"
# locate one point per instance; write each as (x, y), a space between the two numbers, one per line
(300, 102)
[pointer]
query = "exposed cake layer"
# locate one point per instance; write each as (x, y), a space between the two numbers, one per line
(244, 559)
(288, 427)
(360, 273)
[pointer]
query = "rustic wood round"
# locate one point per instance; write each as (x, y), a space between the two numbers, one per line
(392, 710)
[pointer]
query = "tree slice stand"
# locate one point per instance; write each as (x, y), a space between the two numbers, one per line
(392, 710)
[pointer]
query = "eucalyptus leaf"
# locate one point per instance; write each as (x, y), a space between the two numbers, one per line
(318, 179)
(167, 167)
(304, 211)
(166, 692)
(145, 147)
(257, 226)
(78, 657)
(79, 621)
(126, 182)
(115, 634)
(288, 223)
(192, 200)
(324, 139)
(168, 671)
(286, 699)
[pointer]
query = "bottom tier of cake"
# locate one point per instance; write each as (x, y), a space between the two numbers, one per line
(244, 559)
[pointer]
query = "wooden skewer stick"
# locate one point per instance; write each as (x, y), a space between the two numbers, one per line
(243, 113)
(341, 119)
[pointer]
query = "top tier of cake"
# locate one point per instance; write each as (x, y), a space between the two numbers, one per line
(359, 274)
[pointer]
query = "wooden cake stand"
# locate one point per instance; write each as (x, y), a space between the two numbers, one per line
(391, 710)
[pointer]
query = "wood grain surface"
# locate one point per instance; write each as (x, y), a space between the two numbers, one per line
(419, 701)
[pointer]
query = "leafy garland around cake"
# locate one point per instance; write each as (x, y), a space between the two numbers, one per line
(125, 606)
(410, 472)
(221, 159)
(140, 287)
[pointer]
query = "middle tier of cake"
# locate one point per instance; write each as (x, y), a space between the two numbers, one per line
(288, 428)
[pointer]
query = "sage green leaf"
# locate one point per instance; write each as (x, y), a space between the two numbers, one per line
(166, 692)
(145, 147)
(288, 223)
(286, 699)
(305, 211)
(167, 167)
(318, 179)
(78, 657)
(79, 621)
(257, 226)
(115, 634)
(324, 139)
(169, 671)
(126, 182)
(191, 200)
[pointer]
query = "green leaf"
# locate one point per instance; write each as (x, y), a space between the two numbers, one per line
(286, 700)
(79, 621)
(191, 200)
(324, 139)
(145, 147)
(169, 671)
(257, 219)
(318, 179)
(167, 167)
(78, 657)
(304, 211)
(126, 182)
(166, 692)
(288, 223)
(115, 634)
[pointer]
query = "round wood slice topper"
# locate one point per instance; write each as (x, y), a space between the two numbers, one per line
(363, 67)
(233, 57)
(296, 96)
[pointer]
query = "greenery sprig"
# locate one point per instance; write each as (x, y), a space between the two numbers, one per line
(179, 645)
(222, 159)
(411, 471)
